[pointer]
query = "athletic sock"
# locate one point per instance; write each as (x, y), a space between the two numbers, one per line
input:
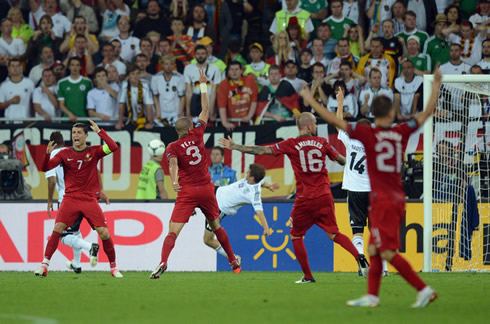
(52, 245)
(168, 245)
(374, 275)
(344, 242)
(110, 251)
(406, 271)
(358, 243)
(77, 255)
(225, 243)
(302, 256)
(76, 242)
(385, 266)
(221, 251)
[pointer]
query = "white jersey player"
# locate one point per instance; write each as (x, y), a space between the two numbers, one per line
(243, 192)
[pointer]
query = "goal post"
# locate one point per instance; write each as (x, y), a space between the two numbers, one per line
(456, 160)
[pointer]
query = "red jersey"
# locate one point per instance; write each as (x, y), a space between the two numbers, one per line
(308, 155)
(80, 167)
(191, 157)
(384, 154)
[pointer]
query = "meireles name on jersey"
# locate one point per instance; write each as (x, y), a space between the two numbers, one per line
(389, 135)
(314, 143)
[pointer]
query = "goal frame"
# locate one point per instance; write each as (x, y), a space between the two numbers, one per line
(428, 153)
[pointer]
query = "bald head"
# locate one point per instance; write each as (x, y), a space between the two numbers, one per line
(304, 120)
(183, 125)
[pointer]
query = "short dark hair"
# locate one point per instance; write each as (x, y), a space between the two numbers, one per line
(275, 67)
(100, 69)
(320, 65)
(74, 58)
(344, 39)
(409, 13)
(200, 47)
(132, 68)
(235, 46)
(220, 149)
(257, 171)
(324, 24)
(347, 63)
(57, 138)
(235, 63)
(374, 70)
(80, 17)
(381, 106)
(377, 39)
(364, 121)
(340, 84)
(14, 60)
(81, 125)
(80, 36)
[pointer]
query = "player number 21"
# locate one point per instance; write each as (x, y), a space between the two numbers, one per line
(313, 164)
(386, 151)
(194, 152)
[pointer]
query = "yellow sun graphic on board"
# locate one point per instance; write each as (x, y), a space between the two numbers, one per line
(267, 246)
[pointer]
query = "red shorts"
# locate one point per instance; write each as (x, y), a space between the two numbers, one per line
(191, 197)
(71, 208)
(319, 211)
(385, 218)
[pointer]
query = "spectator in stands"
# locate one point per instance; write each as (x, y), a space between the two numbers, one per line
(426, 13)
(44, 99)
(317, 48)
(102, 100)
(237, 96)
(141, 61)
(220, 19)
(16, 91)
(476, 69)
(79, 27)
(453, 15)
(59, 70)
(257, 68)
(193, 91)
(350, 102)
(110, 10)
(72, 91)
(129, 44)
(369, 93)
(112, 75)
(147, 49)
(455, 64)
(485, 62)
(295, 36)
(481, 16)
(78, 8)
(10, 47)
(398, 12)
(350, 10)
(319, 88)
(211, 59)
(281, 50)
(393, 46)
(324, 33)
(472, 46)
(82, 51)
(421, 62)
(337, 22)
(110, 59)
(411, 29)
(182, 45)
(154, 21)
(408, 92)
(344, 54)
(355, 36)
(305, 69)
(282, 19)
(353, 81)
(238, 10)
(135, 102)
(234, 53)
(437, 47)
(61, 24)
(19, 27)
(198, 28)
(179, 9)
(377, 59)
(117, 49)
(168, 88)
(377, 12)
(44, 36)
(291, 71)
(47, 60)
(221, 174)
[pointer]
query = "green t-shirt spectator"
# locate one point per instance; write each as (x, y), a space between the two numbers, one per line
(338, 26)
(421, 62)
(74, 93)
(423, 36)
(438, 50)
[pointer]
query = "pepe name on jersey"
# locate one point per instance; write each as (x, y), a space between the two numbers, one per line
(313, 143)
(187, 144)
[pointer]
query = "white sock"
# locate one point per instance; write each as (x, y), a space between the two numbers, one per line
(76, 242)
(221, 251)
(385, 266)
(45, 262)
(77, 254)
(358, 243)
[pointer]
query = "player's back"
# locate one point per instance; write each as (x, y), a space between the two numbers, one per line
(356, 177)
(308, 156)
(191, 156)
(233, 196)
(384, 151)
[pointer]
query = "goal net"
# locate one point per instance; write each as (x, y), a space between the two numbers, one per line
(456, 176)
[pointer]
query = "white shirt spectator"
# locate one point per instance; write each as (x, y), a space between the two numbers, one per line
(418, 7)
(130, 47)
(15, 47)
(24, 90)
(324, 61)
(350, 105)
(233, 196)
(61, 24)
(485, 65)
(168, 93)
(59, 174)
(41, 98)
(476, 48)
(351, 10)
(102, 102)
(191, 76)
(147, 97)
(442, 4)
(109, 21)
(449, 68)
(120, 66)
(36, 74)
(372, 94)
(407, 91)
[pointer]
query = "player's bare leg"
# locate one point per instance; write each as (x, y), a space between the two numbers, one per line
(168, 245)
(51, 247)
(344, 242)
(108, 246)
(222, 237)
(302, 256)
(209, 240)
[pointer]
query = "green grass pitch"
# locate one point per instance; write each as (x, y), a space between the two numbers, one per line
(224, 297)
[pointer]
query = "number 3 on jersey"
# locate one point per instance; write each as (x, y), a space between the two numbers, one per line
(194, 152)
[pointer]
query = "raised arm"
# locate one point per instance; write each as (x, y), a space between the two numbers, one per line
(204, 115)
(174, 170)
(340, 112)
(110, 146)
(432, 103)
(263, 222)
(250, 149)
(326, 115)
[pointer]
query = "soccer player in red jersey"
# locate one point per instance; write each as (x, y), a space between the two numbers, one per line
(82, 189)
(194, 187)
(314, 201)
(384, 147)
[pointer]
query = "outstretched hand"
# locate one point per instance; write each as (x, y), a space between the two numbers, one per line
(339, 94)
(202, 76)
(437, 75)
(305, 92)
(226, 142)
(51, 146)
(94, 126)
(104, 197)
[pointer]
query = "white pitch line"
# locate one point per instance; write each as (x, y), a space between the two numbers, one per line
(33, 319)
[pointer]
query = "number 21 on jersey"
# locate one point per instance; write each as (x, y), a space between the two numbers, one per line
(385, 151)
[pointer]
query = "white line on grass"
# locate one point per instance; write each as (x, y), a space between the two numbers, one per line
(34, 319)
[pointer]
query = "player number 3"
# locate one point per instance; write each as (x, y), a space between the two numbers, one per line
(194, 152)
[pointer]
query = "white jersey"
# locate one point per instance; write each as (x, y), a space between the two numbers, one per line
(355, 172)
(232, 197)
(120, 67)
(130, 47)
(59, 174)
(42, 99)
(449, 68)
(350, 105)
(191, 76)
(168, 93)
(407, 91)
(102, 102)
(372, 94)
(61, 24)
(24, 90)
(15, 47)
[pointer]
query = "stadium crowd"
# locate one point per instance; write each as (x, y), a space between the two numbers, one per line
(135, 63)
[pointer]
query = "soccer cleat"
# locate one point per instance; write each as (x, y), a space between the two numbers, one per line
(385, 273)
(42, 271)
(364, 301)
(93, 254)
(70, 266)
(236, 265)
(304, 280)
(116, 274)
(363, 265)
(425, 297)
(159, 271)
